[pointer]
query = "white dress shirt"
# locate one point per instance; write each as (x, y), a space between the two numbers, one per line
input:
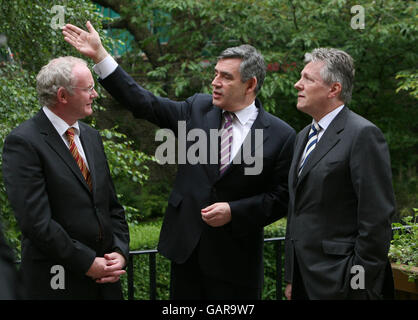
(241, 125)
(61, 126)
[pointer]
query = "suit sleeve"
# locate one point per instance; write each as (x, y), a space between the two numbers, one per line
(265, 208)
(26, 188)
(372, 182)
(163, 112)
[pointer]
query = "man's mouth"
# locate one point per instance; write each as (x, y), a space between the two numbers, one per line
(216, 94)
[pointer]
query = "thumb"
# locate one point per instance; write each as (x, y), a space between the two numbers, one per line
(90, 27)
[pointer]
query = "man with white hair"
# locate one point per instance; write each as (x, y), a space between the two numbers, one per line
(75, 238)
(340, 191)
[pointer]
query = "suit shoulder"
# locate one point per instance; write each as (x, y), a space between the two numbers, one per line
(87, 127)
(360, 123)
(26, 129)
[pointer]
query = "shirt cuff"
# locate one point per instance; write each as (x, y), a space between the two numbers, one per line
(105, 67)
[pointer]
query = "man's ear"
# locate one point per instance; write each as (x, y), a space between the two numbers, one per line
(335, 90)
(62, 95)
(251, 85)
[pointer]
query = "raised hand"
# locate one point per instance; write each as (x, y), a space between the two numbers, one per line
(87, 43)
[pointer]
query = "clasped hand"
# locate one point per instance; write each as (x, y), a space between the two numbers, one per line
(108, 268)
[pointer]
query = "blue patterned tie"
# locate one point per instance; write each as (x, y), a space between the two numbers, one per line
(312, 140)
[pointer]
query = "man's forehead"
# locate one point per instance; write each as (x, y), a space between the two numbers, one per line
(312, 67)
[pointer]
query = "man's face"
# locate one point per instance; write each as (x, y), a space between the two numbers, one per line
(228, 93)
(312, 90)
(79, 103)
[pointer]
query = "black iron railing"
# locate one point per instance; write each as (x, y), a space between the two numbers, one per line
(278, 243)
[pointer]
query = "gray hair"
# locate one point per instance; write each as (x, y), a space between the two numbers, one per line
(252, 64)
(56, 74)
(339, 67)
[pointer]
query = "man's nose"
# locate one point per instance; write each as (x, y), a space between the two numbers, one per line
(94, 93)
(216, 82)
(298, 85)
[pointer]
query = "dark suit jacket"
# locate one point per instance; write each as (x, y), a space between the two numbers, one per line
(340, 210)
(232, 252)
(62, 222)
(9, 282)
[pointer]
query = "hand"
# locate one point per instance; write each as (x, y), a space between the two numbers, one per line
(288, 291)
(217, 214)
(87, 43)
(114, 264)
(108, 268)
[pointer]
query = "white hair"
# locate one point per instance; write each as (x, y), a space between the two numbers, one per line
(56, 74)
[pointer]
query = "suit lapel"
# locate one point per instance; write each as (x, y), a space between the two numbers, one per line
(298, 151)
(213, 120)
(52, 138)
(328, 141)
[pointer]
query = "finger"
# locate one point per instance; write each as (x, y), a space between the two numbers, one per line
(107, 280)
(73, 28)
(115, 269)
(71, 34)
(208, 215)
(90, 27)
(208, 208)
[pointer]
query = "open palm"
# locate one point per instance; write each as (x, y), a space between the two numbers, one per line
(87, 43)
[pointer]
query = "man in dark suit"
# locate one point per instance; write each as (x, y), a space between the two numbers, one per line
(340, 189)
(213, 227)
(75, 237)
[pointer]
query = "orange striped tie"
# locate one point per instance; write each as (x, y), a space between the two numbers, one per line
(74, 151)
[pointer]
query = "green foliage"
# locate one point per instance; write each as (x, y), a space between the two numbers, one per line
(404, 246)
(408, 82)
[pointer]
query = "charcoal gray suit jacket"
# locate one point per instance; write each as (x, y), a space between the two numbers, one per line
(340, 211)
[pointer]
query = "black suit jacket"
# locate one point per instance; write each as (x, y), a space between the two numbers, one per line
(340, 210)
(9, 282)
(62, 222)
(232, 252)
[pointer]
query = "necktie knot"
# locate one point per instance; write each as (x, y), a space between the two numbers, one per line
(229, 117)
(315, 127)
(70, 133)
(310, 146)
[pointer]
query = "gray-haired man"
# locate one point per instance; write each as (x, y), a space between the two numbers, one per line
(340, 189)
(213, 227)
(75, 238)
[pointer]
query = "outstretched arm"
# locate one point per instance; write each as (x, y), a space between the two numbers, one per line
(87, 43)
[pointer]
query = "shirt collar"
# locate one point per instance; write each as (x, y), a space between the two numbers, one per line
(60, 125)
(245, 114)
(327, 119)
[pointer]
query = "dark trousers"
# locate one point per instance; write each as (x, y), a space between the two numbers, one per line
(189, 283)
